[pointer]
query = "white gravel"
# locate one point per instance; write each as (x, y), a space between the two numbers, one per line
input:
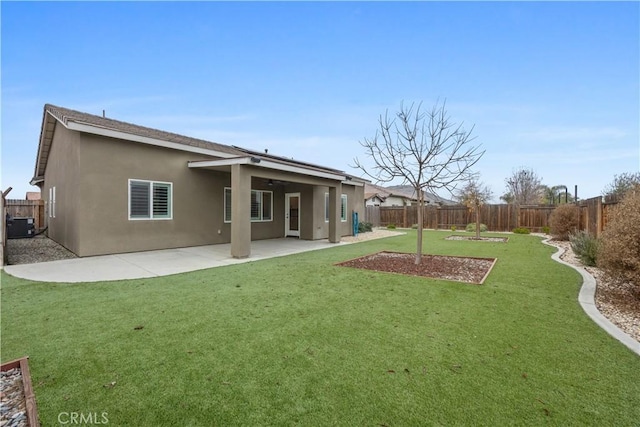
(13, 405)
(616, 300)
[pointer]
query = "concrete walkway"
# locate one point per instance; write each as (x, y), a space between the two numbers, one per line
(588, 303)
(163, 262)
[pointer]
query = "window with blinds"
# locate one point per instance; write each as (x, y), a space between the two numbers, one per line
(343, 207)
(150, 199)
(261, 205)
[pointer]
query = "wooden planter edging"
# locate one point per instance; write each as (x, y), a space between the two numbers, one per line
(30, 398)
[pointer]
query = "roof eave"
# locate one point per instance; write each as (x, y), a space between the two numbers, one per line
(268, 164)
(112, 133)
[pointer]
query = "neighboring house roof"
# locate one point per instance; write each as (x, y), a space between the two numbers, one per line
(402, 191)
(372, 190)
(368, 196)
(428, 197)
(32, 195)
(83, 122)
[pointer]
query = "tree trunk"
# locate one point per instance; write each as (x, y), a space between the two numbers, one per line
(420, 209)
(477, 222)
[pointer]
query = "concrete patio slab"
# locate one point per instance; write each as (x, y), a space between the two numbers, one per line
(157, 263)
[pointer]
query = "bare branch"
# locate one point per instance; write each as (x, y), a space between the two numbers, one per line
(424, 149)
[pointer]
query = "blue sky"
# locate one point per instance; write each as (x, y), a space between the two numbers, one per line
(550, 86)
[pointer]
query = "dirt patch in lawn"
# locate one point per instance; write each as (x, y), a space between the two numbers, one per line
(481, 239)
(459, 269)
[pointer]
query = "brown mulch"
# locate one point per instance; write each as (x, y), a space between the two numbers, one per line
(481, 239)
(460, 269)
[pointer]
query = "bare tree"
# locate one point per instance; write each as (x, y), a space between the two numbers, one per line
(473, 195)
(424, 149)
(524, 187)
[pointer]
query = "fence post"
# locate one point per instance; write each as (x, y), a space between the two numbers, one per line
(3, 227)
(404, 216)
(599, 219)
(3, 232)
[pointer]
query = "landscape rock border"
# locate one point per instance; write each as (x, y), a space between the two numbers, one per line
(586, 298)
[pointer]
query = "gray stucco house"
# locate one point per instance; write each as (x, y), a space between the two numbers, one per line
(113, 187)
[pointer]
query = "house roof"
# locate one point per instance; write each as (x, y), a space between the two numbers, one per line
(402, 191)
(84, 122)
(428, 196)
(372, 190)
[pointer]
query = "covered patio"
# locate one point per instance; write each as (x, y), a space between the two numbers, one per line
(245, 169)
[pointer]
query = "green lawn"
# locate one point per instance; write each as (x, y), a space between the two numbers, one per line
(298, 341)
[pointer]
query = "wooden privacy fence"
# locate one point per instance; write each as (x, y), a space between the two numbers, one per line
(27, 209)
(594, 214)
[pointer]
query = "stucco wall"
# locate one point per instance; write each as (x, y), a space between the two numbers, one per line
(91, 174)
(106, 167)
(63, 173)
(355, 202)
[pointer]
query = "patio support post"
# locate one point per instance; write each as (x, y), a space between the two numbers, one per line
(240, 211)
(335, 202)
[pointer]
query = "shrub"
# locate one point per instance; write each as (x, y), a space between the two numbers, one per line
(364, 227)
(619, 252)
(391, 227)
(521, 230)
(585, 246)
(563, 220)
(471, 227)
(546, 229)
(453, 228)
(414, 226)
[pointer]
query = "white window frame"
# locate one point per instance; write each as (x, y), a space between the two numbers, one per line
(52, 202)
(343, 208)
(261, 218)
(151, 216)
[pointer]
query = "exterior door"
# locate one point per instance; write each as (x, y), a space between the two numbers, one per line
(292, 214)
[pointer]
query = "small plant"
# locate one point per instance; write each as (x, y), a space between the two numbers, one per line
(521, 230)
(391, 227)
(471, 227)
(563, 220)
(414, 226)
(546, 229)
(364, 227)
(453, 228)
(585, 246)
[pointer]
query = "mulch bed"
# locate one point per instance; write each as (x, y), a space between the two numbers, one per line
(459, 269)
(481, 239)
